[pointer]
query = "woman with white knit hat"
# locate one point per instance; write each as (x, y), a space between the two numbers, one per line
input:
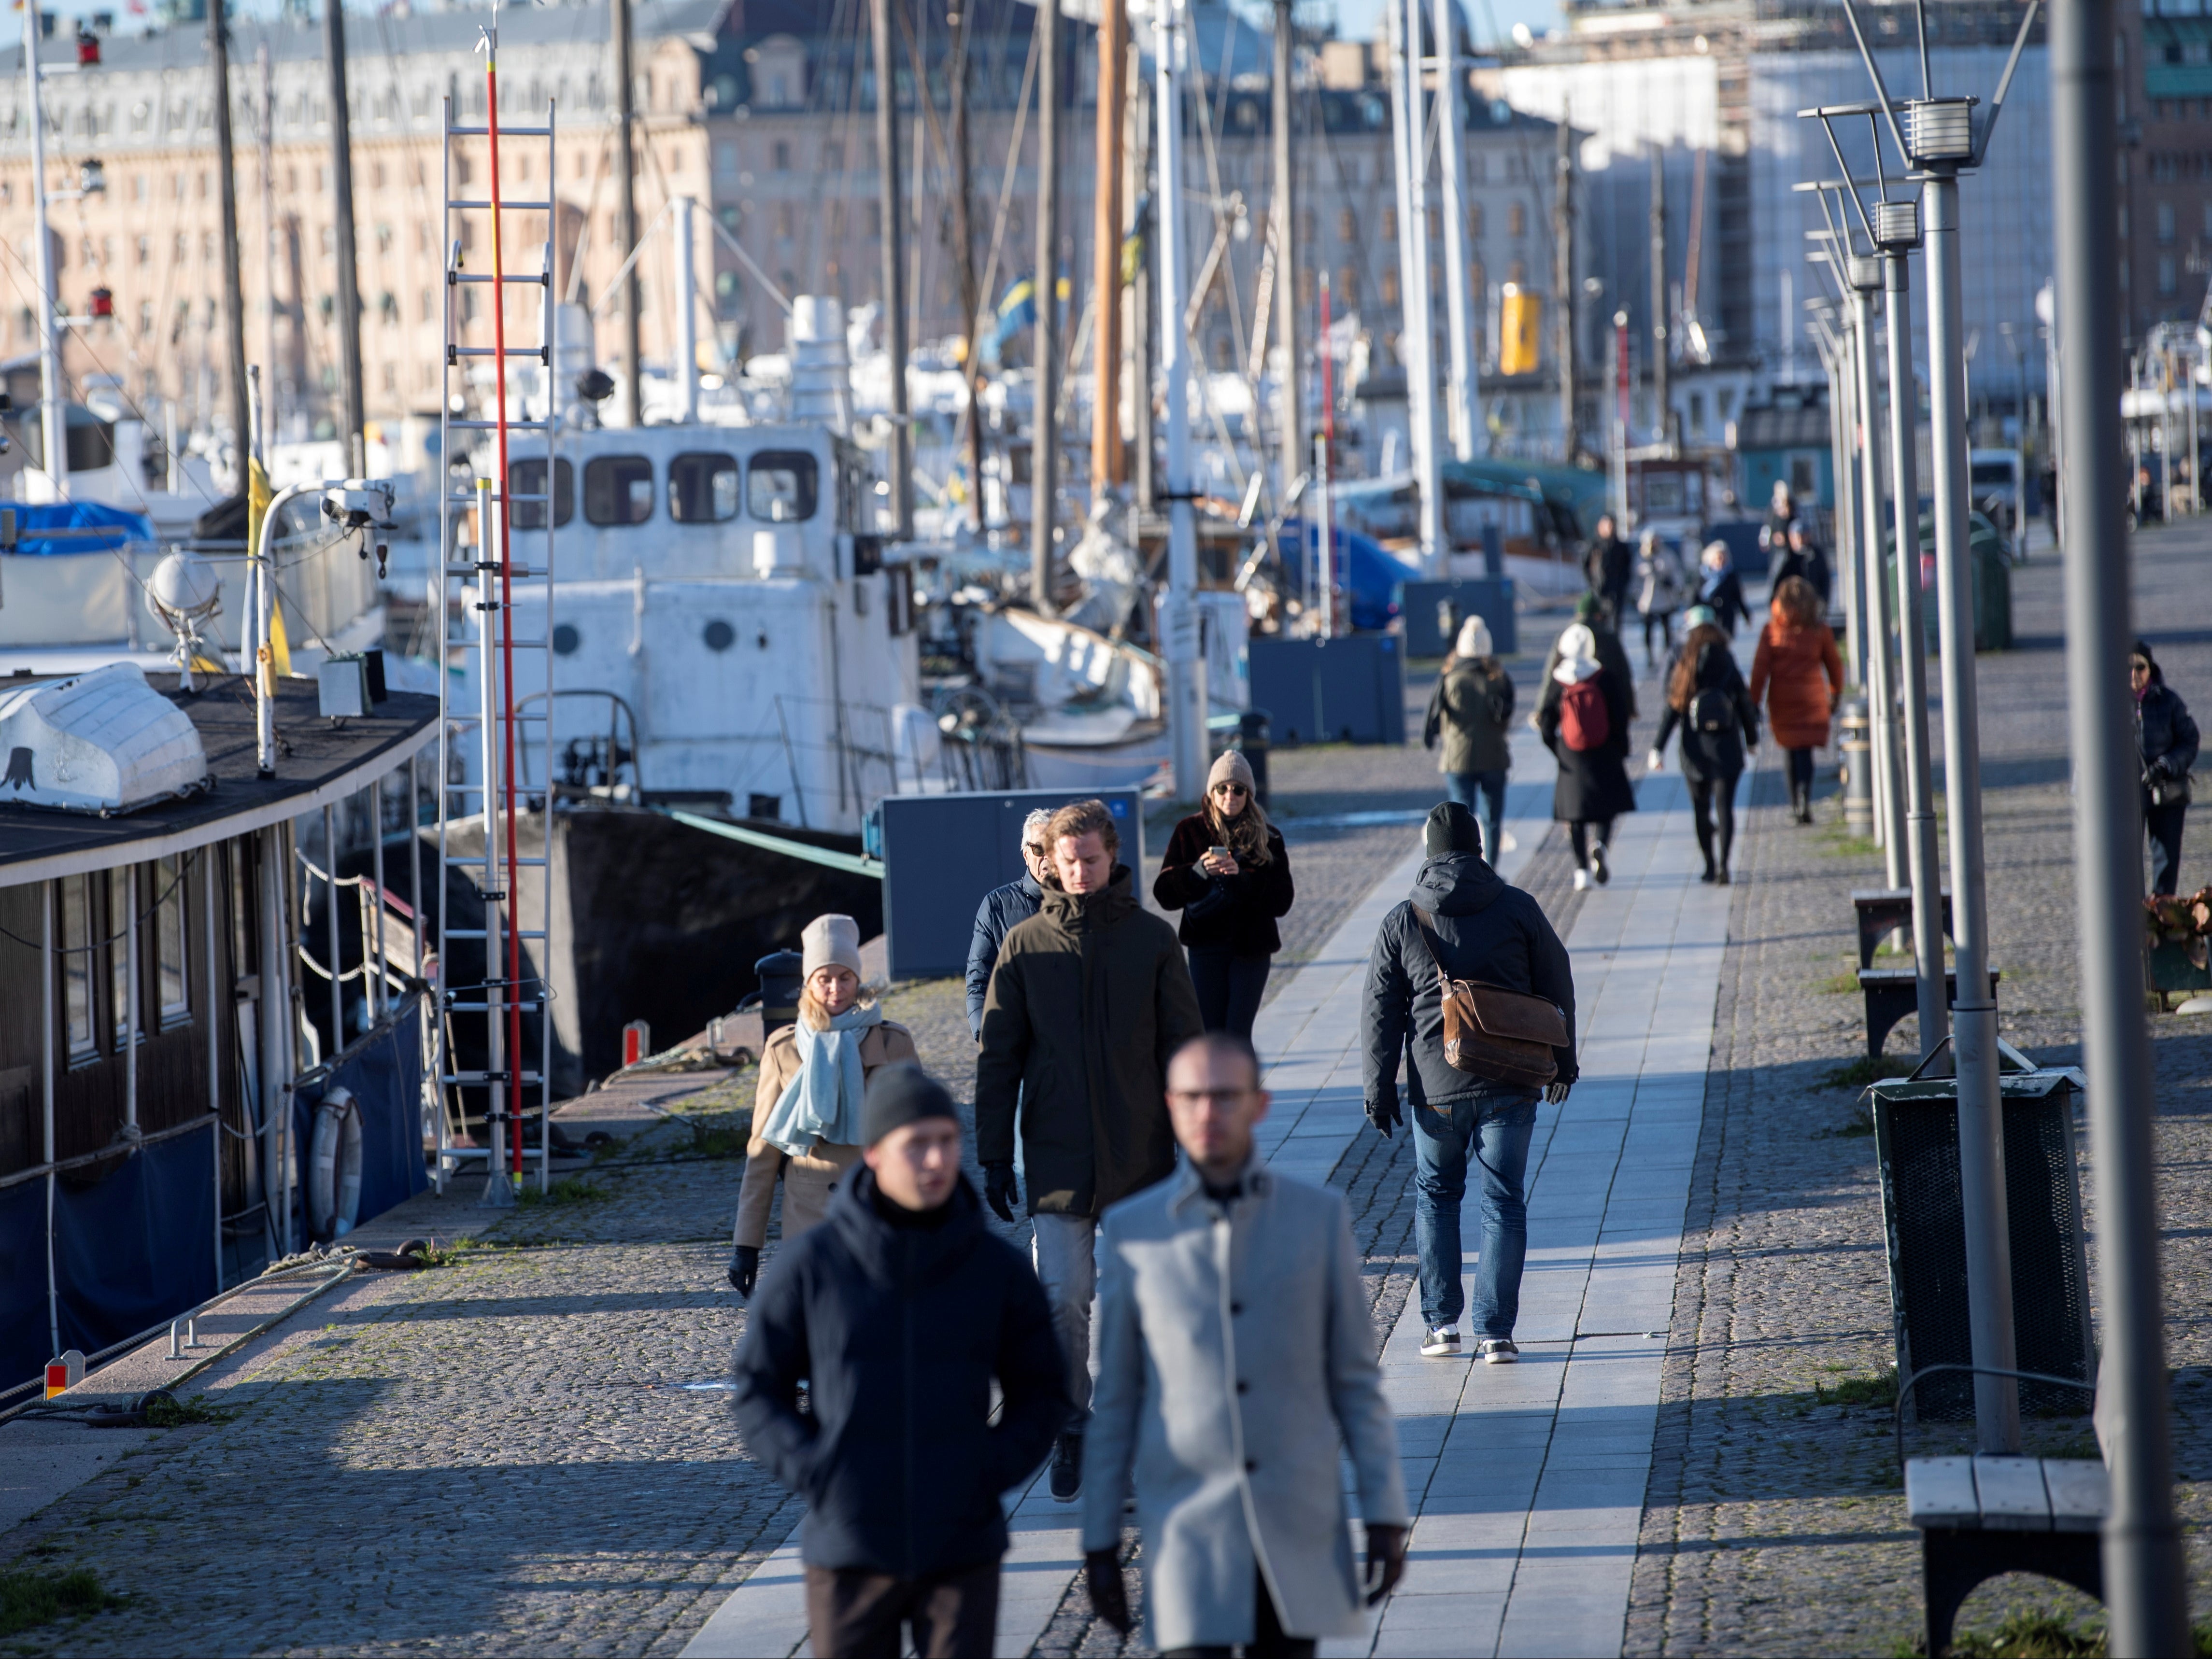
(1471, 711)
(1583, 718)
(813, 1078)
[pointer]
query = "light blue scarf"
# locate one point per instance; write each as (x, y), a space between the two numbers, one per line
(822, 1103)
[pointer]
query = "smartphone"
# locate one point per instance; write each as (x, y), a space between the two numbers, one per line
(1219, 853)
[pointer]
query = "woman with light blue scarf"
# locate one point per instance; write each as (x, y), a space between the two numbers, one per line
(813, 1077)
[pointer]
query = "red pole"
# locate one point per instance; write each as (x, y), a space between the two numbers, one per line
(507, 907)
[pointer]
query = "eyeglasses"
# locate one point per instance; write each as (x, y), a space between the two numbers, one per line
(1230, 788)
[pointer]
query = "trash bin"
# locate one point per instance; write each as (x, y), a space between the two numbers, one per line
(1915, 1127)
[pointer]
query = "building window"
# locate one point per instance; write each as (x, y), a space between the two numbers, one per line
(182, 249)
(1347, 226)
(2165, 221)
(1389, 285)
(783, 153)
(1346, 296)
(172, 984)
(1474, 222)
(145, 317)
(1516, 219)
(2166, 283)
(726, 158)
(1390, 223)
(145, 247)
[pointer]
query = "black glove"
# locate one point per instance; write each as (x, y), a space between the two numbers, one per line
(1382, 1112)
(745, 1267)
(1000, 1190)
(1386, 1560)
(1555, 1092)
(1110, 1597)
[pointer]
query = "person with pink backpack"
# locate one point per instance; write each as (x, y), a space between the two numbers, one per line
(1582, 717)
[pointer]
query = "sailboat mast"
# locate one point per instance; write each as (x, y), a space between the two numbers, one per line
(887, 185)
(626, 208)
(1044, 441)
(348, 295)
(1107, 465)
(234, 297)
(52, 427)
(1282, 222)
(1563, 285)
(1462, 416)
(1660, 400)
(972, 302)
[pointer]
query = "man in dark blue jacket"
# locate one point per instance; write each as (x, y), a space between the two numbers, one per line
(1463, 920)
(1002, 907)
(898, 1313)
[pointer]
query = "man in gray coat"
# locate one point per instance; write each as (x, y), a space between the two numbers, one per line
(1235, 1351)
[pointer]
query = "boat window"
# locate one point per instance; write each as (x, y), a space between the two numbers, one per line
(169, 941)
(703, 488)
(781, 487)
(528, 478)
(618, 489)
(76, 967)
(122, 912)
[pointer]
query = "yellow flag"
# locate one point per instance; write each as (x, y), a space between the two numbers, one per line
(258, 498)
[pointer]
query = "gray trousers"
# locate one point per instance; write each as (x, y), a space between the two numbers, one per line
(1065, 1249)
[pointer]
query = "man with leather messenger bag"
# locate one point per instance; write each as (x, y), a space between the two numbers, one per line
(1467, 977)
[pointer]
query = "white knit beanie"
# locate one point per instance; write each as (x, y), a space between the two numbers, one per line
(831, 941)
(1473, 638)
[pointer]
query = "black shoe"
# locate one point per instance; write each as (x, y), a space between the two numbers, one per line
(1709, 876)
(1068, 1468)
(1721, 879)
(1600, 871)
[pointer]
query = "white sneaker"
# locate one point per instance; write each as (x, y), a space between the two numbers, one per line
(1582, 880)
(1441, 1343)
(1500, 1351)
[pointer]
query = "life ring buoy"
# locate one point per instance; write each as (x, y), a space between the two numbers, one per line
(334, 1167)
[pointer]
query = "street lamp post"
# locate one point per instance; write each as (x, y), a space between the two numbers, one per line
(1179, 613)
(2144, 1581)
(1939, 138)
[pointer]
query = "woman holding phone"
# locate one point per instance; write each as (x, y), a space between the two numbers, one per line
(1226, 869)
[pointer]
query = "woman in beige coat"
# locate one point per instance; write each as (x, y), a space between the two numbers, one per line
(806, 1108)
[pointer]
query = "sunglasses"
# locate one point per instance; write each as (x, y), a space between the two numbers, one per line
(1230, 788)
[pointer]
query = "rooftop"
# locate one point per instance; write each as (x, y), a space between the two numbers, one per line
(318, 761)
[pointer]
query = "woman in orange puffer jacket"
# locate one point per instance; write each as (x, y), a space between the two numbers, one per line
(1799, 673)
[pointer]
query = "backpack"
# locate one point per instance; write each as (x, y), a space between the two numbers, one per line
(1709, 711)
(1584, 722)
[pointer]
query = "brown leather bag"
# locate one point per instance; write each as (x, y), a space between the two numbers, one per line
(1506, 1036)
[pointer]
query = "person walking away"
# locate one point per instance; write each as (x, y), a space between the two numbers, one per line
(1606, 568)
(1235, 1353)
(806, 1104)
(1582, 718)
(898, 1314)
(1464, 923)
(1473, 713)
(1089, 1001)
(1706, 698)
(1001, 908)
(1610, 653)
(1804, 557)
(1658, 593)
(1798, 672)
(1720, 587)
(2167, 737)
(1227, 870)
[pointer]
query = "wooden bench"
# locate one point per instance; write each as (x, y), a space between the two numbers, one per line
(1981, 1516)
(1885, 911)
(1892, 993)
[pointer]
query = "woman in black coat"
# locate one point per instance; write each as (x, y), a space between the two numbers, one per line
(1227, 870)
(1719, 586)
(1707, 699)
(2168, 739)
(1582, 718)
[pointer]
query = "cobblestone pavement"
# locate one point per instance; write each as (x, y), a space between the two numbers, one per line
(1774, 1521)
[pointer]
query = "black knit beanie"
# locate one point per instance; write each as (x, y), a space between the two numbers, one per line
(901, 1094)
(1451, 828)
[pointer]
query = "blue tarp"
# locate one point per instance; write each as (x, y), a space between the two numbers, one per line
(25, 1335)
(1372, 572)
(135, 1244)
(123, 527)
(384, 1072)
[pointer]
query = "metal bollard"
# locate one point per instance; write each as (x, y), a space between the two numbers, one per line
(1252, 743)
(1855, 743)
(175, 1352)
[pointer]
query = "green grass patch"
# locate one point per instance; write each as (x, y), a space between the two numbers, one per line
(1858, 1072)
(568, 1189)
(1840, 984)
(165, 1413)
(28, 1600)
(727, 1135)
(1877, 1390)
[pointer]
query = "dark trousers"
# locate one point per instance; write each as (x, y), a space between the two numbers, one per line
(1578, 834)
(1229, 989)
(1801, 770)
(1268, 1641)
(2164, 824)
(1715, 797)
(1664, 622)
(1463, 787)
(854, 1614)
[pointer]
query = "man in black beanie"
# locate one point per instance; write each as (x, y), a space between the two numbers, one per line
(898, 1313)
(1462, 923)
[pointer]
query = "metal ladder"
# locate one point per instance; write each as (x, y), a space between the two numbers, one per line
(511, 707)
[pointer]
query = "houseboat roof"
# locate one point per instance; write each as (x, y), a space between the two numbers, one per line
(318, 761)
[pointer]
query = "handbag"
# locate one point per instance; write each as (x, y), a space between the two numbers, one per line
(1214, 899)
(1503, 1036)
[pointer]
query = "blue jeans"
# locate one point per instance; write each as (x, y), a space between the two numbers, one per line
(1461, 786)
(1496, 1129)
